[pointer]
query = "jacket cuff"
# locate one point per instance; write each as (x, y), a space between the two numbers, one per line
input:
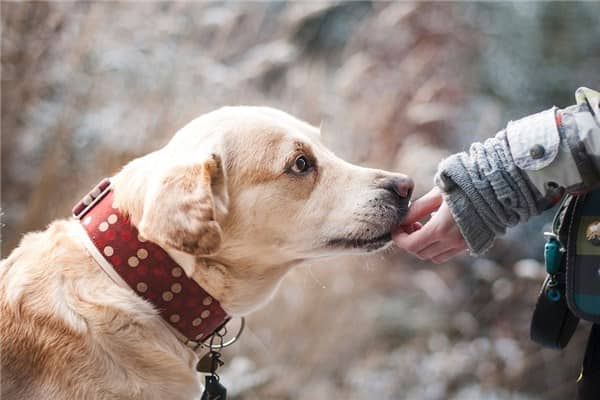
(534, 140)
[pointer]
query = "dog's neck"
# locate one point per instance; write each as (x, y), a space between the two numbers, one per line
(238, 290)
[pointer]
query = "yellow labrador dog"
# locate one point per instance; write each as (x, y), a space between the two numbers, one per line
(236, 199)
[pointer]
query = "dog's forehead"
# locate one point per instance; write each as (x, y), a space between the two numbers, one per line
(264, 147)
(257, 130)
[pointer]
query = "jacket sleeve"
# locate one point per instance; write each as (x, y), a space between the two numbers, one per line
(523, 170)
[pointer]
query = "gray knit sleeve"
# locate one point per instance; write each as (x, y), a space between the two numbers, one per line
(486, 192)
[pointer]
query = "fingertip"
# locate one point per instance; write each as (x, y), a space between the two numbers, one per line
(424, 206)
(399, 237)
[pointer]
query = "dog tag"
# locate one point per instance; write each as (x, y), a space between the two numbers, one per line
(213, 389)
(205, 364)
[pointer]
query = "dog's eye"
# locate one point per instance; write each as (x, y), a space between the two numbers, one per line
(301, 165)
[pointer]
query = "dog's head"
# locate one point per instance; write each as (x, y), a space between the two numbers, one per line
(255, 186)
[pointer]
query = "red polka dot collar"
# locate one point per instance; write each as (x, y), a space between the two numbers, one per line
(146, 268)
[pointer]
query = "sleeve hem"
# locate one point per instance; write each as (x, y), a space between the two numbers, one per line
(477, 235)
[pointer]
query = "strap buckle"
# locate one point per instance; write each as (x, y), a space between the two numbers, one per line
(92, 198)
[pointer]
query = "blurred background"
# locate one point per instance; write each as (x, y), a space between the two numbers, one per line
(87, 87)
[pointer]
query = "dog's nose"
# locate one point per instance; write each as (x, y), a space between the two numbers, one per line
(401, 185)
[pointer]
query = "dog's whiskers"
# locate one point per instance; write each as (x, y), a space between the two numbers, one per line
(310, 271)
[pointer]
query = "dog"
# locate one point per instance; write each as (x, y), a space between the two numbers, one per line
(236, 199)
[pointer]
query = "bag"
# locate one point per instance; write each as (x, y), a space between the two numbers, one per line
(583, 257)
(571, 291)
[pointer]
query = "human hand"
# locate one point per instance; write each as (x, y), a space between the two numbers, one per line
(439, 240)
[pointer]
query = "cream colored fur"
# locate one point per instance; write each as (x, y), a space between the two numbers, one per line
(224, 200)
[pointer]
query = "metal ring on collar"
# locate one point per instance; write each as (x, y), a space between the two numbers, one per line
(228, 343)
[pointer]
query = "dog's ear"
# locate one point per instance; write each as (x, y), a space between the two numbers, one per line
(181, 207)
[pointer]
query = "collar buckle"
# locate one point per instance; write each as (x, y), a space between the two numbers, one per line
(92, 198)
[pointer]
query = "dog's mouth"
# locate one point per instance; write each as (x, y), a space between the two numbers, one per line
(368, 244)
(378, 238)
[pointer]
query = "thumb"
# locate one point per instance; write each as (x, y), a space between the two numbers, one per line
(424, 206)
